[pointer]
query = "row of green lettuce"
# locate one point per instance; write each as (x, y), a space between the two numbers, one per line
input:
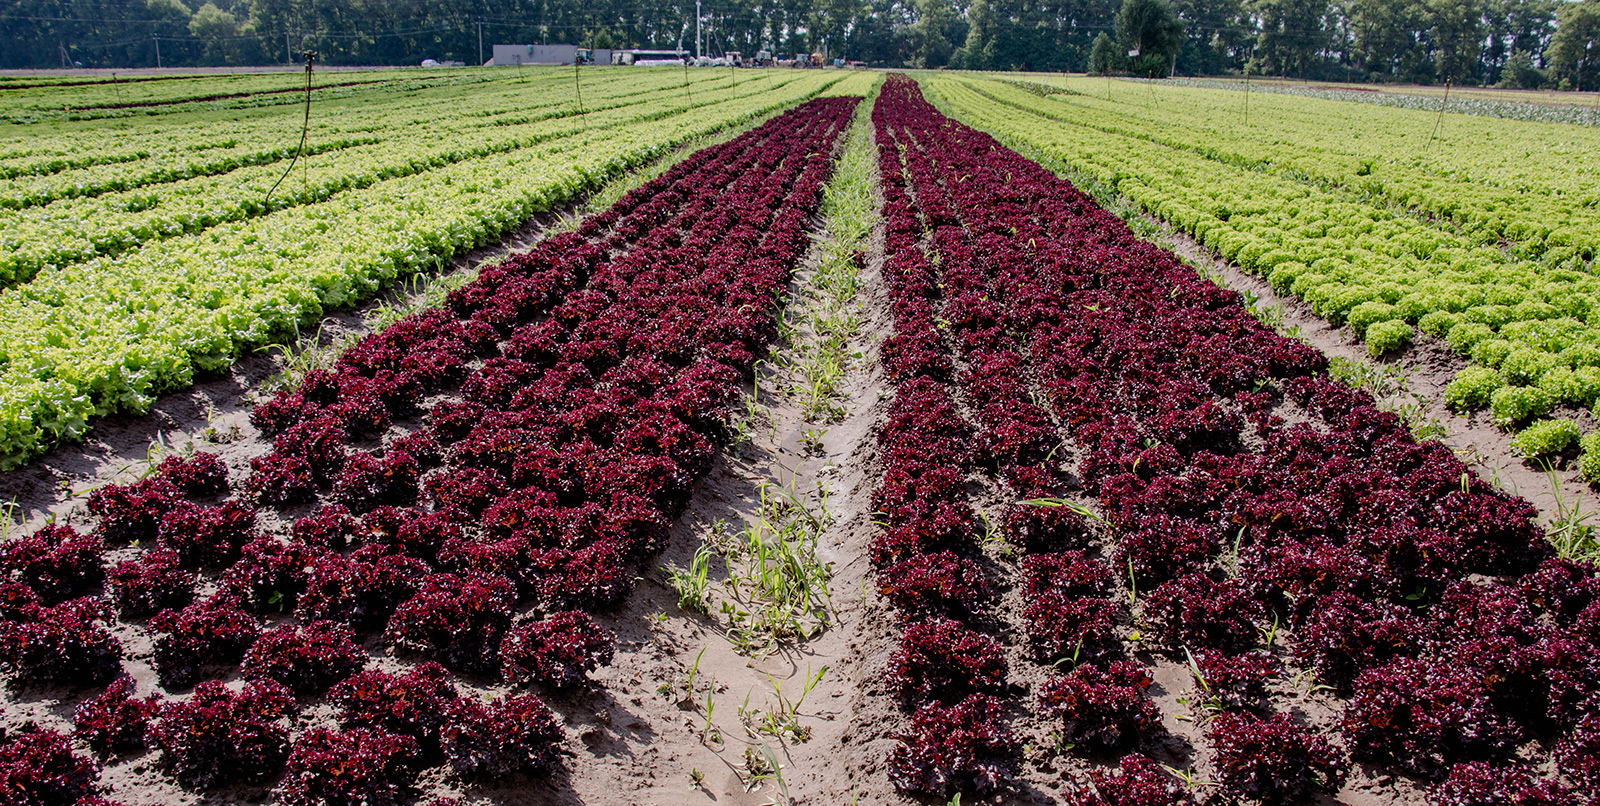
(27, 150)
(41, 166)
(111, 334)
(53, 105)
(1532, 329)
(78, 229)
(85, 93)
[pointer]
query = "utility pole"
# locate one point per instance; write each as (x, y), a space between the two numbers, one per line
(157, 40)
(288, 51)
(697, 30)
(480, 43)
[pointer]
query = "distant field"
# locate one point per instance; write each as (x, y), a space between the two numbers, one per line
(1436, 91)
(1532, 105)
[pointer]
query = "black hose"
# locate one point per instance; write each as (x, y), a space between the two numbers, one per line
(304, 127)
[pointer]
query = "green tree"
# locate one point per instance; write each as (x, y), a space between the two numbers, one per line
(1152, 28)
(173, 11)
(1103, 55)
(1458, 39)
(169, 19)
(1293, 34)
(1574, 51)
(1529, 24)
(1520, 73)
(1218, 36)
(931, 34)
(877, 33)
(1515, 26)
(978, 52)
(218, 32)
(1388, 39)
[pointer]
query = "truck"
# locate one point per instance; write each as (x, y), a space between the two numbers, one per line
(654, 58)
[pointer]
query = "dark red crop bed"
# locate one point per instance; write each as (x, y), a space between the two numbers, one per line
(1245, 495)
(464, 488)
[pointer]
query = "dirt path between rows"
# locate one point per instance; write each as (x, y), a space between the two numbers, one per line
(701, 747)
(846, 719)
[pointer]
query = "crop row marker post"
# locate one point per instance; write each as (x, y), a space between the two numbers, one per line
(1439, 121)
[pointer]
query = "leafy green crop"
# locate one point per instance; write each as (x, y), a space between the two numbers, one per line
(1471, 388)
(1514, 405)
(1589, 458)
(1545, 438)
(1387, 336)
(77, 215)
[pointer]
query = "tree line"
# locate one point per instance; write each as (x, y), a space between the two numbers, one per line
(1517, 43)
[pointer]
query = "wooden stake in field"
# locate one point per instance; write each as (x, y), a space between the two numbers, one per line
(577, 84)
(1440, 121)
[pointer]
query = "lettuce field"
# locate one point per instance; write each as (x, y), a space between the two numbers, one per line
(714, 435)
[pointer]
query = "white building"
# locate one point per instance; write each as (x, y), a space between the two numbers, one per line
(513, 55)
